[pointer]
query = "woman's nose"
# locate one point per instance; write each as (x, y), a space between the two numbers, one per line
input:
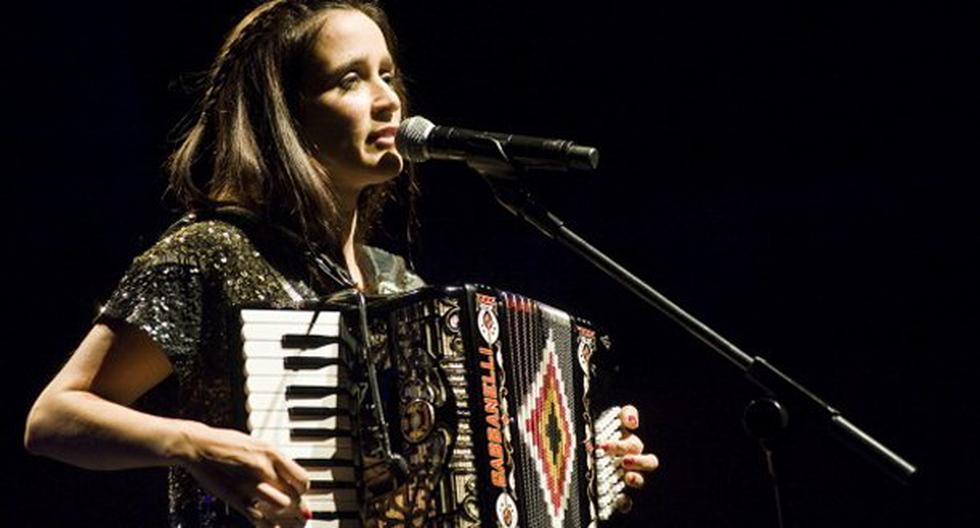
(386, 101)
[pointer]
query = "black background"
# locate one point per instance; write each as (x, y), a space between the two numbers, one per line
(797, 175)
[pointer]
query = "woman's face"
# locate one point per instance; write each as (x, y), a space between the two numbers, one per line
(348, 108)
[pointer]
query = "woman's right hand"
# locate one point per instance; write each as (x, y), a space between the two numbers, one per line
(83, 418)
(248, 474)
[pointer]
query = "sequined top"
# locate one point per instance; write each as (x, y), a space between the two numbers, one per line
(183, 292)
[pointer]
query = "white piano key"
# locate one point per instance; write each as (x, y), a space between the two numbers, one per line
(283, 436)
(271, 367)
(281, 419)
(274, 332)
(279, 383)
(321, 449)
(338, 496)
(340, 523)
(274, 349)
(274, 401)
(278, 316)
(327, 503)
(338, 474)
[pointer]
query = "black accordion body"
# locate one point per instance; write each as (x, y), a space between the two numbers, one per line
(485, 396)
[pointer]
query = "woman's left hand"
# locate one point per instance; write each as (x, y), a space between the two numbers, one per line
(630, 447)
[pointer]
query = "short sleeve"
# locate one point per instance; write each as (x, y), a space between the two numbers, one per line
(164, 299)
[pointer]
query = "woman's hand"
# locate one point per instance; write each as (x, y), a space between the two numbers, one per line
(249, 475)
(635, 461)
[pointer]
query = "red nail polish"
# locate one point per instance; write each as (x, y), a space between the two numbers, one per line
(632, 421)
(629, 461)
(307, 513)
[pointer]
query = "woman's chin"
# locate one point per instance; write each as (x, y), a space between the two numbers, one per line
(390, 165)
(369, 170)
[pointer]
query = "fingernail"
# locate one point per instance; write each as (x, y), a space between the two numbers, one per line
(307, 512)
(632, 420)
(629, 460)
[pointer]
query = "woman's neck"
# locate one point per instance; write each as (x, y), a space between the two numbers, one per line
(348, 248)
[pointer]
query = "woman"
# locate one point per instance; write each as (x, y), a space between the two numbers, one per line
(284, 172)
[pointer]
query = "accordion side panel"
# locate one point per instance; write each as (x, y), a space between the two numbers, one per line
(493, 411)
(584, 346)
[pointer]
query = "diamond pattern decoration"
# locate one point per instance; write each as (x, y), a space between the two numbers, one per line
(545, 425)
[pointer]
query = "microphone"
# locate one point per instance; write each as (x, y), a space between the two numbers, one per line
(419, 140)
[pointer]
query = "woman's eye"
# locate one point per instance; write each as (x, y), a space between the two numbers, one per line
(388, 77)
(349, 81)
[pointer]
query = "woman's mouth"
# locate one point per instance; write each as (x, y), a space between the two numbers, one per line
(383, 137)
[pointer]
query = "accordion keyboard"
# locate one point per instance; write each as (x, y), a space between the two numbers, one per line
(297, 398)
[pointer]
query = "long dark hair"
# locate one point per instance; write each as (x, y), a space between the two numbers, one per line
(246, 147)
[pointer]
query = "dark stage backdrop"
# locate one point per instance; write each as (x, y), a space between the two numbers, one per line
(795, 174)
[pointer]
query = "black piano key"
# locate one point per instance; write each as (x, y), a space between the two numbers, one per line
(317, 413)
(305, 341)
(324, 462)
(318, 433)
(311, 363)
(332, 485)
(313, 391)
(335, 516)
(344, 401)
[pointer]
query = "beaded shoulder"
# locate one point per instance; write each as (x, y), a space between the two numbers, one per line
(211, 244)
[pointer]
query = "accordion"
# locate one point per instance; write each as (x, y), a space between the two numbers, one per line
(485, 397)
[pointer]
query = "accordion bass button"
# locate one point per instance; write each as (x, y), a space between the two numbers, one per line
(417, 420)
(415, 390)
(451, 320)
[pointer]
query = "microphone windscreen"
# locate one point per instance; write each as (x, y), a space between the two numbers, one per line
(412, 135)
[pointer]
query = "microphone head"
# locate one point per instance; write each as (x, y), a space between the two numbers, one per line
(411, 138)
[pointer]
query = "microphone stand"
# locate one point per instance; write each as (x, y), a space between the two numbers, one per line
(504, 179)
